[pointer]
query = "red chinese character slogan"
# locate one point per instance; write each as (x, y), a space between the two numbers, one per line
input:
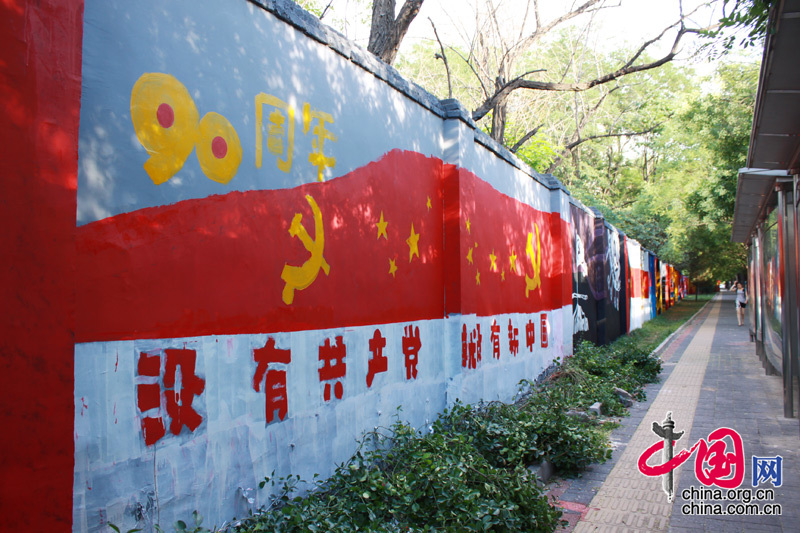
(378, 362)
(180, 386)
(275, 387)
(495, 339)
(471, 351)
(513, 342)
(411, 347)
(530, 335)
(333, 367)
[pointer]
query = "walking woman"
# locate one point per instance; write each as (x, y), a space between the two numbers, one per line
(741, 302)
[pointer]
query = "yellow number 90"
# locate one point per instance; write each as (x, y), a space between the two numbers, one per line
(165, 120)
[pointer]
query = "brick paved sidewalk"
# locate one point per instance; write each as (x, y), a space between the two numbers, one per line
(712, 378)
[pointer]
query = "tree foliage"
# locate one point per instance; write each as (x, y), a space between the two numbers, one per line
(721, 123)
(747, 17)
(683, 208)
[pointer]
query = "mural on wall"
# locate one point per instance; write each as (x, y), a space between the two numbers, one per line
(652, 261)
(514, 266)
(256, 268)
(589, 284)
(659, 286)
(616, 309)
(265, 268)
(261, 266)
(310, 258)
(638, 303)
(579, 320)
(668, 286)
(615, 273)
(596, 273)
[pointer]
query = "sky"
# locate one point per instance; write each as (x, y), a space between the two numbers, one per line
(624, 22)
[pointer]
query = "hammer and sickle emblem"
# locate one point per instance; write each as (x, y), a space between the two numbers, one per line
(300, 277)
(536, 261)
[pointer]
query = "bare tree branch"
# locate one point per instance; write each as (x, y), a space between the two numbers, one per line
(525, 138)
(325, 10)
(472, 68)
(571, 146)
(518, 83)
(443, 57)
(540, 31)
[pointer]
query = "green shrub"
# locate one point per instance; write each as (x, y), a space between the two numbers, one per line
(413, 482)
(570, 444)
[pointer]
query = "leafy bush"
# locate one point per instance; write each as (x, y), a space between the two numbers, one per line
(413, 482)
(624, 363)
(533, 429)
(503, 433)
(568, 443)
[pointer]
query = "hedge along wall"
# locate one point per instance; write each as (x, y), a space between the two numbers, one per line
(280, 242)
(256, 245)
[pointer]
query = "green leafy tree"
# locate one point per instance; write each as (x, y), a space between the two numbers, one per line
(721, 123)
(718, 126)
(745, 19)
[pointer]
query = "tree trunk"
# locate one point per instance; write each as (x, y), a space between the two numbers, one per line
(387, 32)
(499, 123)
(499, 114)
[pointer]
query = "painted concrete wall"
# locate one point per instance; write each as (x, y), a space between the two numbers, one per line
(238, 242)
(639, 306)
(276, 250)
(40, 83)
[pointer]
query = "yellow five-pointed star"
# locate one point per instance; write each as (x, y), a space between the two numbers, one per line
(493, 259)
(513, 260)
(429, 203)
(469, 256)
(468, 225)
(392, 267)
(503, 275)
(413, 248)
(382, 228)
(477, 277)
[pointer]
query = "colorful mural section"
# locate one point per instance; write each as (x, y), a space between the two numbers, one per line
(589, 284)
(283, 260)
(617, 284)
(638, 299)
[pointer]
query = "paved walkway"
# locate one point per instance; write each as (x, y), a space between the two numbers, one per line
(711, 379)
